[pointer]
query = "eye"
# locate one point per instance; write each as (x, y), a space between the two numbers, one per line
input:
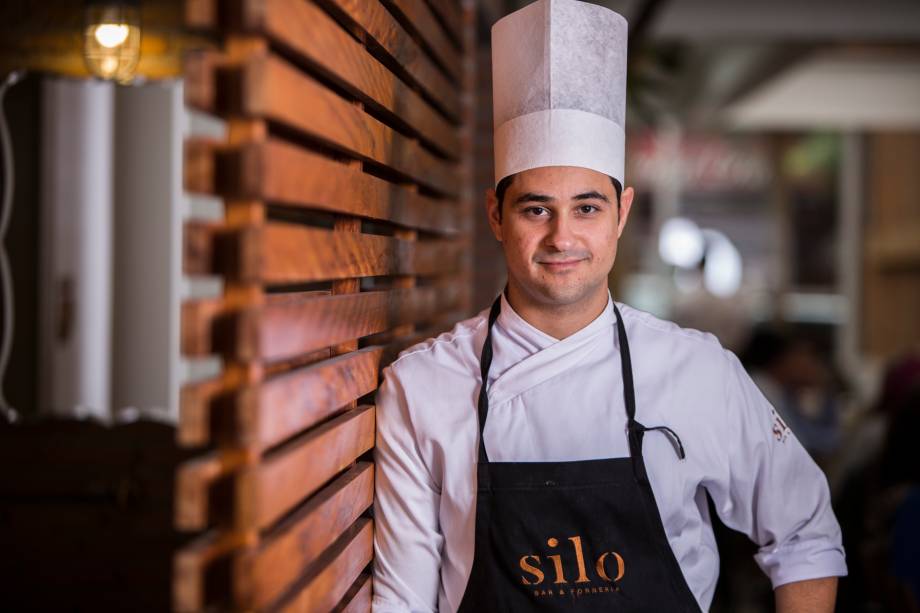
(536, 211)
(587, 209)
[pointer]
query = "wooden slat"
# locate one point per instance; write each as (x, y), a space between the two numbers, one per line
(288, 551)
(286, 174)
(191, 563)
(379, 25)
(301, 254)
(299, 469)
(194, 480)
(195, 404)
(198, 169)
(312, 35)
(198, 318)
(215, 409)
(335, 572)
(436, 257)
(358, 598)
(272, 88)
(199, 86)
(293, 324)
(298, 327)
(200, 14)
(199, 240)
(451, 15)
(287, 404)
(293, 175)
(430, 31)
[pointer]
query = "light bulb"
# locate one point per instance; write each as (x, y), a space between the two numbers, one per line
(112, 39)
(110, 35)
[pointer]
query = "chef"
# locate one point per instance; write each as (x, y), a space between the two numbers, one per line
(555, 452)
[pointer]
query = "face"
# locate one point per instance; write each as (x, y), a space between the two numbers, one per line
(559, 228)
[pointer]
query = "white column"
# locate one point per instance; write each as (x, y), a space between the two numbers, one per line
(150, 121)
(76, 248)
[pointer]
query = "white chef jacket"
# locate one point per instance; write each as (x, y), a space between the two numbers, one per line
(562, 400)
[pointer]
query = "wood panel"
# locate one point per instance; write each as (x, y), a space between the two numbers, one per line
(298, 470)
(298, 323)
(302, 538)
(191, 563)
(430, 31)
(358, 598)
(450, 14)
(377, 24)
(296, 400)
(335, 574)
(216, 409)
(285, 174)
(272, 88)
(287, 328)
(194, 482)
(241, 254)
(345, 178)
(312, 35)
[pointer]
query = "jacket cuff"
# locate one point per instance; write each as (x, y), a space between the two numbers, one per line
(802, 561)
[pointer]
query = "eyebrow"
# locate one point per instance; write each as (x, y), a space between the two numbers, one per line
(534, 197)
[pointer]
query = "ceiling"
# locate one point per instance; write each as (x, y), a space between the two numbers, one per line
(772, 64)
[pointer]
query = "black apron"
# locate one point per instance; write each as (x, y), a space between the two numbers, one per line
(572, 536)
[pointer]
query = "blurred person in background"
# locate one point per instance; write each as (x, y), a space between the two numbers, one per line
(879, 502)
(800, 386)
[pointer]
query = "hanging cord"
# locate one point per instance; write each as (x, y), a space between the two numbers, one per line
(672, 436)
(6, 280)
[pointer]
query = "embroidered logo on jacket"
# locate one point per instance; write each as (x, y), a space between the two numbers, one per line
(780, 430)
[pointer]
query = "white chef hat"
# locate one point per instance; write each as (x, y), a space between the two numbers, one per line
(559, 88)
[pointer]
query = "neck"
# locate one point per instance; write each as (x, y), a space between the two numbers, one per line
(558, 320)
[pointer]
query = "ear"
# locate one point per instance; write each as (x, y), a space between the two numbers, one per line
(626, 200)
(493, 213)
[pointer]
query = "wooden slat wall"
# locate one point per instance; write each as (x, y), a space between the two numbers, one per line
(346, 182)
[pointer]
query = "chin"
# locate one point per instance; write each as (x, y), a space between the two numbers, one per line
(562, 293)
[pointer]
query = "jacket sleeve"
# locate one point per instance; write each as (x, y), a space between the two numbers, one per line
(772, 490)
(407, 537)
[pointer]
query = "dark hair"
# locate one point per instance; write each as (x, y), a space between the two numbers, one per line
(505, 183)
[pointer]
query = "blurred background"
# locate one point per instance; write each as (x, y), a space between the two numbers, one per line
(774, 147)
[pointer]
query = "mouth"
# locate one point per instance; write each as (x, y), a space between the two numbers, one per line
(560, 266)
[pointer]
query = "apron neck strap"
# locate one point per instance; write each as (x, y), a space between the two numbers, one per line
(629, 392)
(485, 361)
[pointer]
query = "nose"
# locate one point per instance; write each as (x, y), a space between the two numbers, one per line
(560, 236)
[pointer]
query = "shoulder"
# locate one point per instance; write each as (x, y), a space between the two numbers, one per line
(646, 331)
(430, 379)
(690, 361)
(453, 351)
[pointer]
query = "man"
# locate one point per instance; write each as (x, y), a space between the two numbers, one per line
(555, 452)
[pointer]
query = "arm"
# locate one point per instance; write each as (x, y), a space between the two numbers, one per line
(811, 596)
(407, 536)
(771, 490)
